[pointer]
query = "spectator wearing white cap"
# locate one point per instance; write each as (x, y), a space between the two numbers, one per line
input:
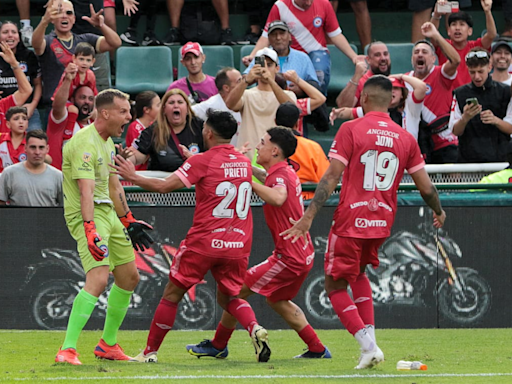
(259, 104)
(290, 59)
(197, 85)
(501, 57)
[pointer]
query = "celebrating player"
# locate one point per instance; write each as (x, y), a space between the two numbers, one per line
(280, 277)
(92, 197)
(372, 153)
(221, 235)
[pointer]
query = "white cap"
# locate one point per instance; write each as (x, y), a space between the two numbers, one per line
(270, 53)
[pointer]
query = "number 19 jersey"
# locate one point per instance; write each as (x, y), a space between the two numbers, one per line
(222, 225)
(375, 151)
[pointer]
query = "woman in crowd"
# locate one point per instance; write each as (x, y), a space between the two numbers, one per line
(172, 138)
(9, 33)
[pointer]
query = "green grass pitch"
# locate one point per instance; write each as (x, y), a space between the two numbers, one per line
(452, 355)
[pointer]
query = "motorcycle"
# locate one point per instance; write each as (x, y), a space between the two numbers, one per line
(60, 277)
(415, 269)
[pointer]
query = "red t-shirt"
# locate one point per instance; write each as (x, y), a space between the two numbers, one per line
(375, 151)
(9, 155)
(89, 81)
(462, 70)
(222, 225)
(299, 255)
(133, 132)
(58, 134)
(5, 104)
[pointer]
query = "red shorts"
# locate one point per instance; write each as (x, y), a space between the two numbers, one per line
(109, 4)
(346, 255)
(189, 268)
(274, 280)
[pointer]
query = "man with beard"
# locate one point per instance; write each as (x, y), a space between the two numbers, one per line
(436, 141)
(67, 118)
(378, 60)
(501, 57)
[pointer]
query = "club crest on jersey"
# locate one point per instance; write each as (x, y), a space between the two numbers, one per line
(86, 157)
(429, 89)
(24, 67)
(23, 157)
(194, 148)
(317, 22)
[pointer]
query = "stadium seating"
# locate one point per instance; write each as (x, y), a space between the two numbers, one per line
(143, 69)
(342, 69)
(217, 57)
(244, 51)
(400, 54)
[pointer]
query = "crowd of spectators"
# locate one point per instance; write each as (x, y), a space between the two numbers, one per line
(458, 109)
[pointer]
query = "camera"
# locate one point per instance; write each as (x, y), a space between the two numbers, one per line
(259, 60)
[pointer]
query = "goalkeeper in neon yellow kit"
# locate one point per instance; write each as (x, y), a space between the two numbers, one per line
(98, 218)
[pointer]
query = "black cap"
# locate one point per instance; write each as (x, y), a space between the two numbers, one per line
(500, 43)
(278, 24)
(287, 114)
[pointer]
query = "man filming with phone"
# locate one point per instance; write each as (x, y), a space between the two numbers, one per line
(259, 104)
(481, 113)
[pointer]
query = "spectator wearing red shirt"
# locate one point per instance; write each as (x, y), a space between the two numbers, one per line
(460, 28)
(12, 143)
(367, 208)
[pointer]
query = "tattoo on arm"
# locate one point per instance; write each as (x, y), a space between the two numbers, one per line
(432, 200)
(123, 202)
(322, 193)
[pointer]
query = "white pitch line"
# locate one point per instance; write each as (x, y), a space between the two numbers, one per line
(265, 377)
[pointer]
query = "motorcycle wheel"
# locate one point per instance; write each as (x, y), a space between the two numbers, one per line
(317, 305)
(197, 314)
(466, 311)
(51, 305)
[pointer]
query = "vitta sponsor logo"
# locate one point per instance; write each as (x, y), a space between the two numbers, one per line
(216, 243)
(365, 223)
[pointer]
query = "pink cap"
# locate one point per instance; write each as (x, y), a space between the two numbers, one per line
(191, 47)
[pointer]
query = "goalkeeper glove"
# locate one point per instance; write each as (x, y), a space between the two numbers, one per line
(136, 229)
(99, 252)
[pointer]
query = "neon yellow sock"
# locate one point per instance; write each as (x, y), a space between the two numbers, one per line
(117, 306)
(80, 313)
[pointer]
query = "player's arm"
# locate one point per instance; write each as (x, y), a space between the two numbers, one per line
(429, 194)
(490, 25)
(86, 189)
(116, 192)
(324, 189)
(259, 173)
(274, 196)
(126, 170)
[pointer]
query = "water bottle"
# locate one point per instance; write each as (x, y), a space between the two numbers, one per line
(403, 365)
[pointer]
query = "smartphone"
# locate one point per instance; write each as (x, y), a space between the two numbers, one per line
(259, 60)
(472, 100)
(448, 7)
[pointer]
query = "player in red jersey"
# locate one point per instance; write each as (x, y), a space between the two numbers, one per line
(372, 153)
(280, 277)
(221, 235)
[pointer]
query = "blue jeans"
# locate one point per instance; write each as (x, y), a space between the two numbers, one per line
(35, 121)
(322, 64)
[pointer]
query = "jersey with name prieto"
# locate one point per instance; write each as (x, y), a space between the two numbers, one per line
(86, 156)
(437, 103)
(375, 151)
(297, 256)
(222, 225)
(307, 27)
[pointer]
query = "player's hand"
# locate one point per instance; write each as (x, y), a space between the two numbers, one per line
(340, 113)
(439, 219)
(300, 229)
(99, 252)
(244, 148)
(292, 76)
(130, 7)
(137, 231)
(125, 152)
(486, 5)
(97, 19)
(471, 110)
(8, 55)
(247, 60)
(123, 168)
(488, 117)
(186, 151)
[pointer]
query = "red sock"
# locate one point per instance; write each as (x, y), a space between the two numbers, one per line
(346, 310)
(163, 320)
(222, 336)
(362, 293)
(309, 336)
(243, 312)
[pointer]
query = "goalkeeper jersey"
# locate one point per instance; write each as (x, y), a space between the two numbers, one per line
(86, 156)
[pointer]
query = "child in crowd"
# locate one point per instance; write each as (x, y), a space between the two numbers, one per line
(84, 59)
(460, 28)
(145, 111)
(12, 143)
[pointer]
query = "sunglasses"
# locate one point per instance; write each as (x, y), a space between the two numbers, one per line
(479, 54)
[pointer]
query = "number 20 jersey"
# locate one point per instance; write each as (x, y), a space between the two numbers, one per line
(375, 151)
(222, 225)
